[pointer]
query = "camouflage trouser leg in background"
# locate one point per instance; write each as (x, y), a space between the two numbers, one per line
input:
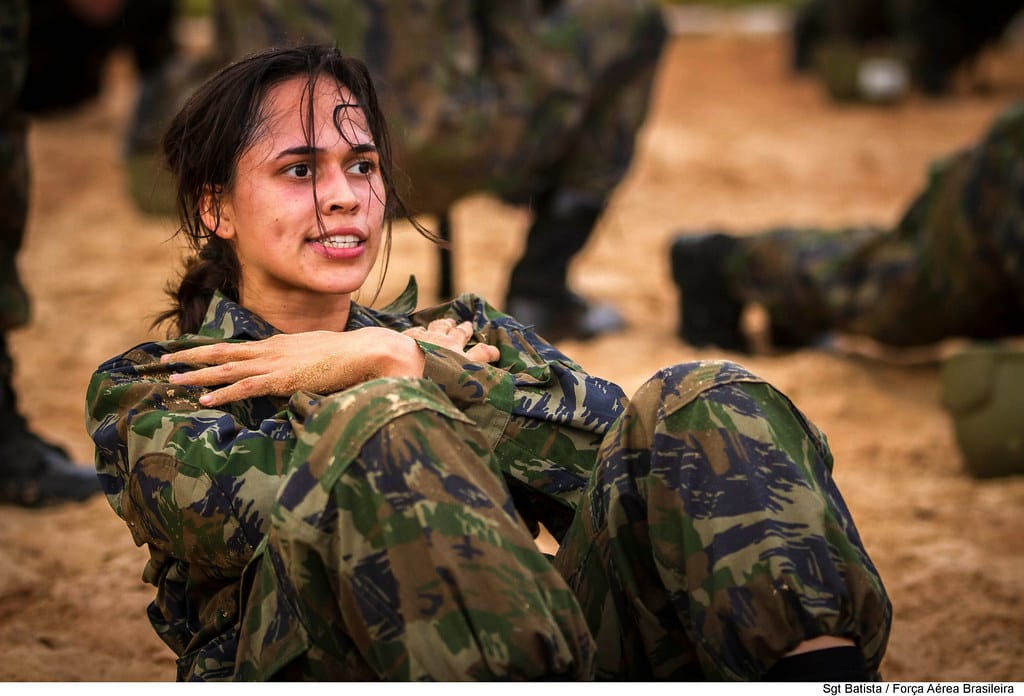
(396, 553)
(712, 539)
(568, 185)
(14, 173)
(954, 266)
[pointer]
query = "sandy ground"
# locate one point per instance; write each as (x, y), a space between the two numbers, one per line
(732, 141)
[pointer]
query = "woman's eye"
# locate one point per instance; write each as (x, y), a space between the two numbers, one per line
(363, 167)
(300, 171)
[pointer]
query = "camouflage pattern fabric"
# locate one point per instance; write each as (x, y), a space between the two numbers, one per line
(514, 98)
(953, 266)
(14, 172)
(713, 527)
(385, 531)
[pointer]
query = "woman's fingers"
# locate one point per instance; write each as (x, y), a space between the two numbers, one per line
(455, 336)
(483, 352)
(213, 354)
(203, 377)
(235, 383)
(243, 389)
(443, 326)
(446, 332)
(220, 374)
(464, 329)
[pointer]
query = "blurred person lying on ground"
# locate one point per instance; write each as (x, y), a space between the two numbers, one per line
(332, 491)
(953, 266)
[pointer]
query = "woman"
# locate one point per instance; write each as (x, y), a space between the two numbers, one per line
(334, 492)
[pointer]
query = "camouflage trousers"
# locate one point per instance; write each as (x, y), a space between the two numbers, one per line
(953, 266)
(710, 540)
(14, 172)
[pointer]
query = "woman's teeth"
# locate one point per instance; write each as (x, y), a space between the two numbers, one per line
(345, 241)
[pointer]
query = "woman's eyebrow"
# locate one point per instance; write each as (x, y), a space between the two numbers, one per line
(297, 150)
(310, 150)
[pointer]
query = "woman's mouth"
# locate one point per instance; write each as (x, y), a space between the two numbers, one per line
(339, 247)
(340, 241)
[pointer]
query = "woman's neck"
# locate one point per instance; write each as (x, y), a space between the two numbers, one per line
(322, 313)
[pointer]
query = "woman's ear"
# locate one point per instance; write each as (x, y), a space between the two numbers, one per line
(216, 213)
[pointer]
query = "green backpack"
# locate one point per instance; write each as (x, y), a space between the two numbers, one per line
(983, 390)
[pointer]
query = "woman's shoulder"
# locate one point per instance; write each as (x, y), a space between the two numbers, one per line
(150, 352)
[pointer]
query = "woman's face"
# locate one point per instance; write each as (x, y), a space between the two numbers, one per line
(287, 263)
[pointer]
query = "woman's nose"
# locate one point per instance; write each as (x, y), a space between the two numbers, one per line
(335, 192)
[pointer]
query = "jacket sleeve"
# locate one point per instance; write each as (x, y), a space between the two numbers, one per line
(542, 414)
(193, 483)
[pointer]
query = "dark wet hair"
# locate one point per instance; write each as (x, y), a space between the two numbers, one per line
(213, 130)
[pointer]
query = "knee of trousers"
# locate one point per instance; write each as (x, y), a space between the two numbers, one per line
(731, 488)
(676, 387)
(676, 426)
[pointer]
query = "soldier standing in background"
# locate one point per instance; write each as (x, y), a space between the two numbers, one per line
(70, 42)
(536, 102)
(952, 267)
(32, 471)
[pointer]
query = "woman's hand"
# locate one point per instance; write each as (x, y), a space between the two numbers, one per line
(449, 334)
(317, 361)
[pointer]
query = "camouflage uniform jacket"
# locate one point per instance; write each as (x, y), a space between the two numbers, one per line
(196, 485)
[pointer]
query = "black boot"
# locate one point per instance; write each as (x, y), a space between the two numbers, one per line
(538, 293)
(708, 314)
(565, 316)
(843, 664)
(34, 472)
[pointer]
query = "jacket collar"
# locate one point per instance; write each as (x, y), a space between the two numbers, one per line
(226, 319)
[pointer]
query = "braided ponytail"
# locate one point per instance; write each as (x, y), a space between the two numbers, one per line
(214, 268)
